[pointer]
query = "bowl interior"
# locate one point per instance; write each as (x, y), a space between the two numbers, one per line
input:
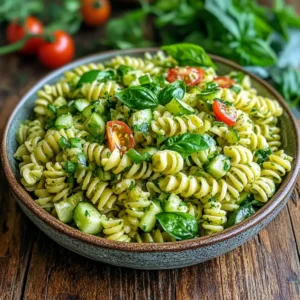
(289, 132)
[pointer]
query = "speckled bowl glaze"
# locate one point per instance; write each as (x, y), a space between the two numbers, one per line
(149, 256)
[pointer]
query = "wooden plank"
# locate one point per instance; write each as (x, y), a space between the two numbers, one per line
(266, 266)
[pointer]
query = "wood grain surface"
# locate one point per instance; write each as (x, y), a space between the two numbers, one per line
(34, 267)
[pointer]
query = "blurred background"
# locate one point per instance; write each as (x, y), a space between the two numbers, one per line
(263, 36)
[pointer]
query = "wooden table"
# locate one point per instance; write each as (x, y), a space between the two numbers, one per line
(34, 267)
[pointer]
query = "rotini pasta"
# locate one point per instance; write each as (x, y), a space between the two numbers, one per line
(149, 141)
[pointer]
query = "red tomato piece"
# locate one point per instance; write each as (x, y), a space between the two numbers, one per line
(59, 52)
(224, 82)
(15, 32)
(225, 113)
(190, 75)
(119, 135)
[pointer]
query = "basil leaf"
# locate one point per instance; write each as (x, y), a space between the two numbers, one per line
(153, 87)
(136, 157)
(93, 75)
(188, 55)
(262, 155)
(174, 90)
(180, 225)
(138, 97)
(240, 215)
(189, 143)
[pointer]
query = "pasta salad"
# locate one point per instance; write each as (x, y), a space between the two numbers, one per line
(152, 149)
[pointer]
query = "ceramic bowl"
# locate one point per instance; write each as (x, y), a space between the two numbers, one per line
(149, 256)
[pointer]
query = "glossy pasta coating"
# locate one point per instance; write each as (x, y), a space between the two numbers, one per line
(59, 159)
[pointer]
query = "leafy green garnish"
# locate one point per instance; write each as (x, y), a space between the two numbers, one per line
(180, 225)
(93, 75)
(262, 155)
(137, 157)
(138, 97)
(188, 55)
(174, 90)
(189, 143)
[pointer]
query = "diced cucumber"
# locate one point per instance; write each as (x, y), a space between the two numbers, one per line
(65, 208)
(96, 106)
(81, 104)
(173, 204)
(63, 110)
(178, 107)
(95, 125)
(210, 96)
(141, 120)
(218, 166)
(64, 121)
(232, 136)
(87, 218)
(148, 221)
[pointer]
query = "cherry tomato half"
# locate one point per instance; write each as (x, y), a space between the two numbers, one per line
(225, 113)
(15, 32)
(119, 135)
(95, 12)
(190, 75)
(59, 52)
(224, 82)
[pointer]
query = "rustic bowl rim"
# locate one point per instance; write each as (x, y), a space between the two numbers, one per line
(199, 242)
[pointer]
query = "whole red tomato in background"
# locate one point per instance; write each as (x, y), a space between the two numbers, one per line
(58, 52)
(16, 31)
(95, 12)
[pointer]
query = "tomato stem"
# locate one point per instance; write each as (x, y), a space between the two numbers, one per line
(18, 45)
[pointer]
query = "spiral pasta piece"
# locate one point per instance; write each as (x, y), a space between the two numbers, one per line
(167, 162)
(114, 230)
(31, 173)
(136, 63)
(49, 146)
(277, 166)
(271, 133)
(156, 236)
(214, 217)
(240, 175)
(96, 191)
(99, 90)
(202, 157)
(56, 183)
(238, 154)
(170, 126)
(263, 189)
(197, 187)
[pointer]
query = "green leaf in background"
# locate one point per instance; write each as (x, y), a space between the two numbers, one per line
(188, 55)
(189, 143)
(174, 90)
(180, 225)
(138, 97)
(287, 81)
(128, 31)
